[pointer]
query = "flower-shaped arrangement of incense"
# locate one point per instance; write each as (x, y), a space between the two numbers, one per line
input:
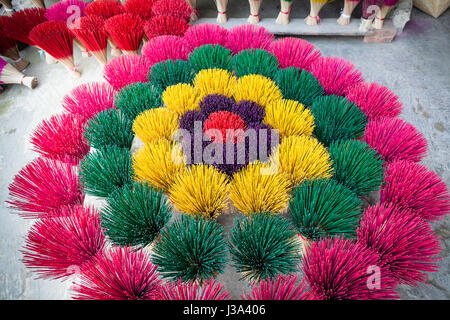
(217, 122)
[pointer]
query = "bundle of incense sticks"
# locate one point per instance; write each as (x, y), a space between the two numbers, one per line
(9, 74)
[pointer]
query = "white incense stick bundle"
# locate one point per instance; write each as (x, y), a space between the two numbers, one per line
(346, 14)
(285, 11)
(378, 23)
(255, 6)
(222, 11)
(313, 18)
(9, 74)
(194, 15)
(39, 3)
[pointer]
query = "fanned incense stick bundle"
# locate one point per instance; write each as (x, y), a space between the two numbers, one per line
(19, 26)
(175, 8)
(205, 33)
(72, 239)
(126, 30)
(140, 8)
(8, 47)
(9, 74)
(165, 25)
(283, 287)
(134, 276)
(90, 31)
(209, 290)
(55, 38)
(43, 187)
(106, 9)
(53, 136)
(89, 99)
(67, 11)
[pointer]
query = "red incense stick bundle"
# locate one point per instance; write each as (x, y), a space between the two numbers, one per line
(8, 47)
(55, 38)
(92, 34)
(175, 8)
(127, 31)
(68, 10)
(106, 9)
(20, 24)
(165, 25)
(141, 8)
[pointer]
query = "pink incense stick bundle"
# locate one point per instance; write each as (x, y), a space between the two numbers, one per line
(335, 74)
(249, 37)
(61, 138)
(66, 10)
(118, 274)
(59, 247)
(125, 70)
(205, 33)
(89, 99)
(209, 290)
(43, 187)
(104, 8)
(395, 139)
(376, 101)
(165, 25)
(18, 26)
(141, 8)
(175, 8)
(337, 269)
(283, 287)
(405, 244)
(90, 31)
(56, 39)
(295, 52)
(163, 48)
(412, 186)
(126, 30)
(9, 74)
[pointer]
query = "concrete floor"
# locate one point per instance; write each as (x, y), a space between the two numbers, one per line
(416, 66)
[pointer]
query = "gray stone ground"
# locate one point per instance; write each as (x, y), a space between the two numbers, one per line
(416, 66)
